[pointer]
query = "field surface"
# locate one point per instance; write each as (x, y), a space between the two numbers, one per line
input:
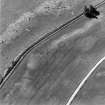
(52, 71)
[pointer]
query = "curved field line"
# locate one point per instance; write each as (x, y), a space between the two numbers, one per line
(35, 44)
(84, 81)
(40, 41)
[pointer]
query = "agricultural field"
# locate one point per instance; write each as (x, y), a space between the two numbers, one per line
(51, 71)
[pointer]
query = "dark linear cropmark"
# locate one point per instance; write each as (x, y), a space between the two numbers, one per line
(46, 37)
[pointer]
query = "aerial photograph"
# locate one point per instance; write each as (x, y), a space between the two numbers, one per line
(52, 52)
